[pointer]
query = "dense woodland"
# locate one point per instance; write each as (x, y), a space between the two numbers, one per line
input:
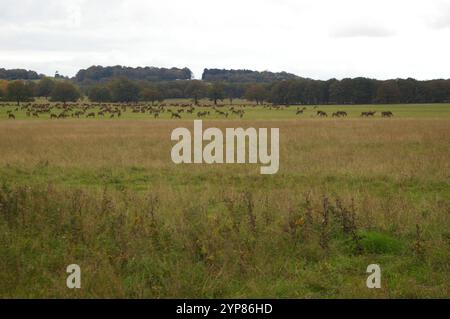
(245, 76)
(125, 84)
(102, 74)
(19, 74)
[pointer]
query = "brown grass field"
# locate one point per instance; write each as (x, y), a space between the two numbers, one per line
(106, 195)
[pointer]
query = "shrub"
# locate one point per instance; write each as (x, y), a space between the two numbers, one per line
(379, 243)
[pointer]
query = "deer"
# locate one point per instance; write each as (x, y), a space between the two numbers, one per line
(369, 113)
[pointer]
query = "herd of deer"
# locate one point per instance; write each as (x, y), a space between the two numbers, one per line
(320, 113)
(115, 110)
(111, 110)
(344, 114)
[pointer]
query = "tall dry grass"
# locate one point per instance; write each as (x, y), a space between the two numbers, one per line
(106, 195)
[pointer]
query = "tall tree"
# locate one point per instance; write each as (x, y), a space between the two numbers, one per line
(18, 91)
(388, 92)
(216, 92)
(65, 92)
(151, 93)
(196, 89)
(3, 87)
(256, 92)
(280, 93)
(234, 90)
(363, 90)
(45, 87)
(439, 90)
(408, 89)
(124, 90)
(335, 93)
(100, 93)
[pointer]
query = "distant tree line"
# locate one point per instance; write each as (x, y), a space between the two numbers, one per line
(298, 91)
(25, 91)
(245, 76)
(101, 74)
(18, 74)
(358, 91)
(291, 91)
(124, 90)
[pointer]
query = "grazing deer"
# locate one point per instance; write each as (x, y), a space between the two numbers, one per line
(176, 115)
(339, 114)
(367, 114)
(11, 116)
(387, 114)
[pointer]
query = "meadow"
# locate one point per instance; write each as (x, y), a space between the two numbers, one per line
(104, 194)
(254, 112)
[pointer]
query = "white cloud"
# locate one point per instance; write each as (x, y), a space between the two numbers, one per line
(312, 38)
(440, 18)
(362, 30)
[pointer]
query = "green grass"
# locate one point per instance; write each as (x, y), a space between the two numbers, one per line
(105, 195)
(379, 243)
(207, 248)
(259, 113)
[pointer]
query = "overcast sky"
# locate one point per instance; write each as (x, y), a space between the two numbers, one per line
(319, 39)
